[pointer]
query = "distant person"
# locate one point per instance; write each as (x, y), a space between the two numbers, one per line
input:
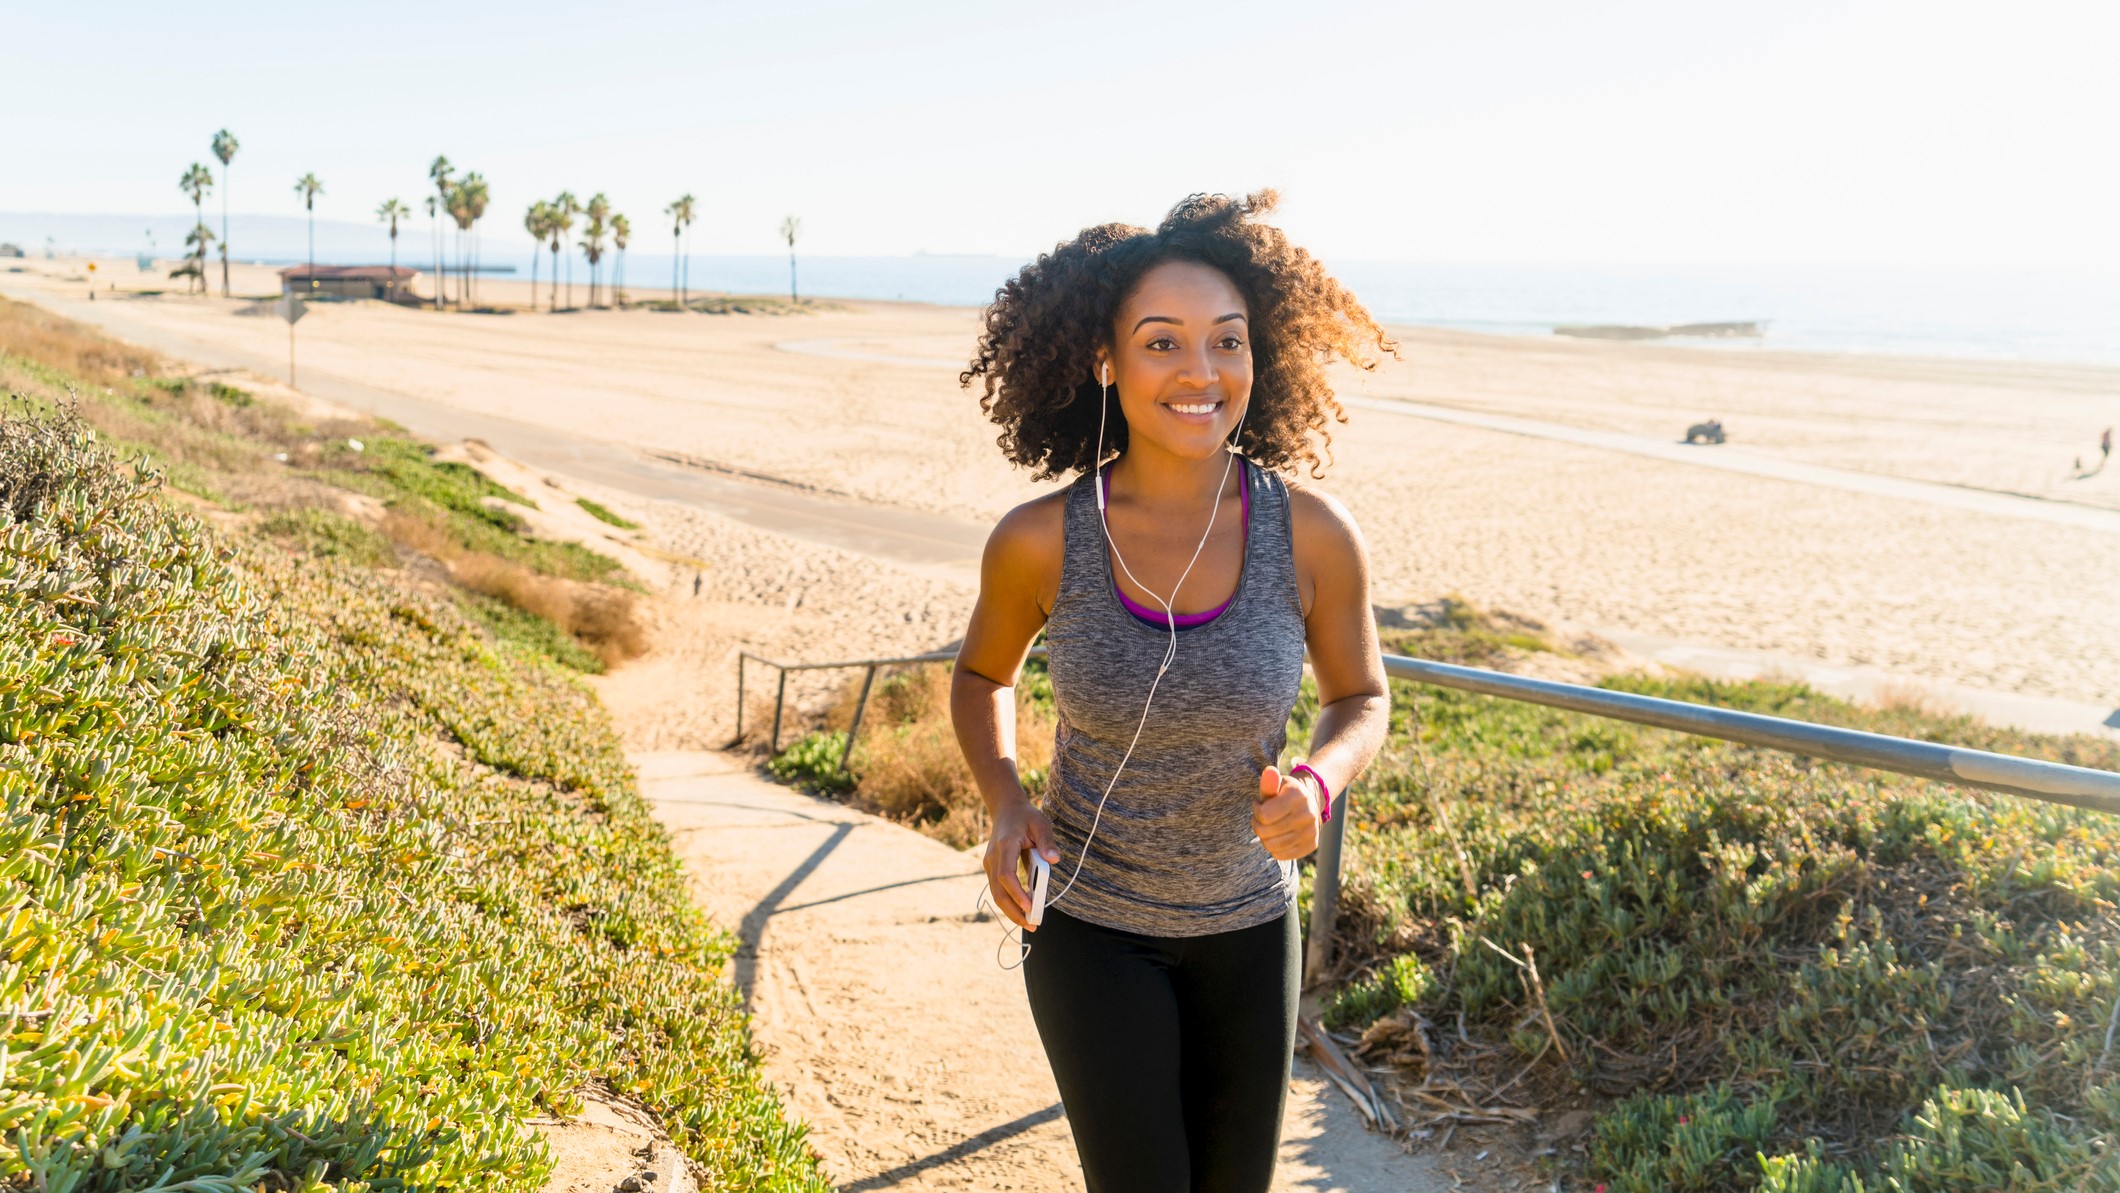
(1181, 375)
(2105, 447)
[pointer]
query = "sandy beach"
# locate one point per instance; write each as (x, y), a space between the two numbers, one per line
(860, 402)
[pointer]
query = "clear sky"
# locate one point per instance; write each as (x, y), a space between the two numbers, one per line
(1792, 132)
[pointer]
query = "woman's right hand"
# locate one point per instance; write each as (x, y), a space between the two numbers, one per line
(1018, 829)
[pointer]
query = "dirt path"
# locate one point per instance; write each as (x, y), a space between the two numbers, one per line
(883, 1016)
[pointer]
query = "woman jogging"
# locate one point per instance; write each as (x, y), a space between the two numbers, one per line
(1178, 586)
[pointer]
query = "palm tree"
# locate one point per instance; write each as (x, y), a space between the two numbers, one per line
(553, 227)
(534, 221)
(224, 147)
(434, 214)
(195, 183)
(677, 231)
(200, 238)
(790, 228)
(599, 213)
(592, 244)
(390, 213)
(309, 188)
(476, 194)
(566, 207)
(681, 213)
(621, 231)
(467, 202)
(438, 172)
(460, 212)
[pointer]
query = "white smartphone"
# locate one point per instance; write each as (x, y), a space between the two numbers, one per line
(1041, 877)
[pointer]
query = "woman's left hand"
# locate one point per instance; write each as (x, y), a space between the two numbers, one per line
(1285, 816)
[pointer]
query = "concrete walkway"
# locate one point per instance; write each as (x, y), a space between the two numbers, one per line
(884, 1017)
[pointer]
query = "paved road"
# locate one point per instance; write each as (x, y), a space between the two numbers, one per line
(904, 536)
(1737, 459)
(1724, 457)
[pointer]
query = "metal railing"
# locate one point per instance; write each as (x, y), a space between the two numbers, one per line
(868, 684)
(2053, 782)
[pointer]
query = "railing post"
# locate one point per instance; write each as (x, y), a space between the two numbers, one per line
(739, 698)
(780, 700)
(860, 705)
(1325, 892)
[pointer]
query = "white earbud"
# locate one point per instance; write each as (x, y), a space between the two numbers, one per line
(1104, 376)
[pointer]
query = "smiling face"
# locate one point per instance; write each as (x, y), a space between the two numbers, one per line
(1182, 360)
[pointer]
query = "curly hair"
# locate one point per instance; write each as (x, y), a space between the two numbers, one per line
(1038, 353)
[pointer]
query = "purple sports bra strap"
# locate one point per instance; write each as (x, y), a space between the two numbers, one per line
(1185, 621)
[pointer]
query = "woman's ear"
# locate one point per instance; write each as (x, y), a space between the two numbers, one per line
(1104, 366)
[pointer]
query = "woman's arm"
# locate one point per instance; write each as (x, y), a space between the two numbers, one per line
(1332, 564)
(1018, 579)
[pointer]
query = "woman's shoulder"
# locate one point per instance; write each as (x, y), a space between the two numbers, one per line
(1318, 514)
(1026, 545)
(1326, 537)
(1037, 524)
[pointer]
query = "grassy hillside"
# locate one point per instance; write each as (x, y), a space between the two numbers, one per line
(307, 880)
(1758, 971)
(339, 485)
(1767, 972)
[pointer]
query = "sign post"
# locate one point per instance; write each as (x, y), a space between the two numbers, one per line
(291, 309)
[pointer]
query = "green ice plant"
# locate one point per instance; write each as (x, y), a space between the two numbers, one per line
(1772, 972)
(307, 884)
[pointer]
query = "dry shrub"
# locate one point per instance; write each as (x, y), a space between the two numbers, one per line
(39, 464)
(605, 620)
(1905, 697)
(914, 773)
(911, 769)
(68, 346)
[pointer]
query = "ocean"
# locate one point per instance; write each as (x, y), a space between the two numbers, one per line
(1996, 314)
(2048, 315)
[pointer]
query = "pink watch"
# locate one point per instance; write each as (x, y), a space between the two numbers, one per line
(1324, 791)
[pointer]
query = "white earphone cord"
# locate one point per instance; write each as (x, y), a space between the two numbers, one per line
(1170, 652)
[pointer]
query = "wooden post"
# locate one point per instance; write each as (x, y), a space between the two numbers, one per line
(739, 698)
(780, 701)
(860, 705)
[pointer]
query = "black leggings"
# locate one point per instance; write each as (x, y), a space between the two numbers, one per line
(1171, 1053)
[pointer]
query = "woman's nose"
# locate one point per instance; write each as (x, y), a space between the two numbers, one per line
(1200, 367)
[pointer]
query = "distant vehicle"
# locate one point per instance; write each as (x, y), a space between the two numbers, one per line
(1707, 432)
(12, 250)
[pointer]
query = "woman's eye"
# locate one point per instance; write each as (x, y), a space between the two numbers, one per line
(1231, 343)
(1162, 343)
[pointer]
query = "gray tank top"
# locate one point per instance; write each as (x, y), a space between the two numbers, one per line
(1174, 854)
